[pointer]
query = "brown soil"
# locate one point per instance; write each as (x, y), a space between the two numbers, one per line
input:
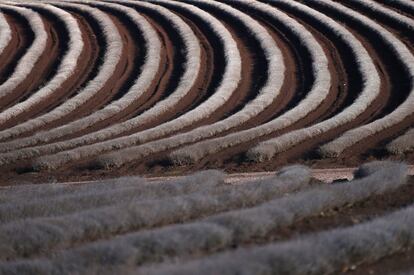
(165, 86)
(87, 58)
(303, 150)
(164, 81)
(332, 102)
(212, 60)
(373, 146)
(35, 78)
(396, 7)
(346, 86)
(115, 82)
(238, 98)
(120, 81)
(252, 67)
(18, 44)
(327, 108)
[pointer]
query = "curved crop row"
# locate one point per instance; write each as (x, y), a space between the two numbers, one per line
(123, 217)
(28, 60)
(266, 95)
(207, 84)
(192, 67)
(371, 88)
(142, 83)
(351, 137)
(388, 13)
(311, 79)
(401, 4)
(5, 33)
(318, 93)
(227, 86)
(112, 57)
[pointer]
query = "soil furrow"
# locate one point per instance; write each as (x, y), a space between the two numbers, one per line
(399, 89)
(376, 50)
(337, 99)
(40, 70)
(84, 67)
(172, 71)
(20, 41)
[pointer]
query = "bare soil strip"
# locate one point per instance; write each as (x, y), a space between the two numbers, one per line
(12, 53)
(36, 77)
(345, 88)
(327, 175)
(84, 68)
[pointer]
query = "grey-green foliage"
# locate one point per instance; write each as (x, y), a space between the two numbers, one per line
(130, 189)
(322, 253)
(30, 192)
(218, 231)
(382, 167)
(31, 236)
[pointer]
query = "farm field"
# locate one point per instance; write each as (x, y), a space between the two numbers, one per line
(286, 223)
(175, 137)
(104, 89)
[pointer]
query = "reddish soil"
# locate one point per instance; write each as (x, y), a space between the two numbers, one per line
(36, 77)
(385, 68)
(371, 147)
(87, 58)
(114, 83)
(118, 78)
(17, 46)
(329, 105)
(118, 83)
(208, 80)
(221, 160)
(346, 86)
(172, 74)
